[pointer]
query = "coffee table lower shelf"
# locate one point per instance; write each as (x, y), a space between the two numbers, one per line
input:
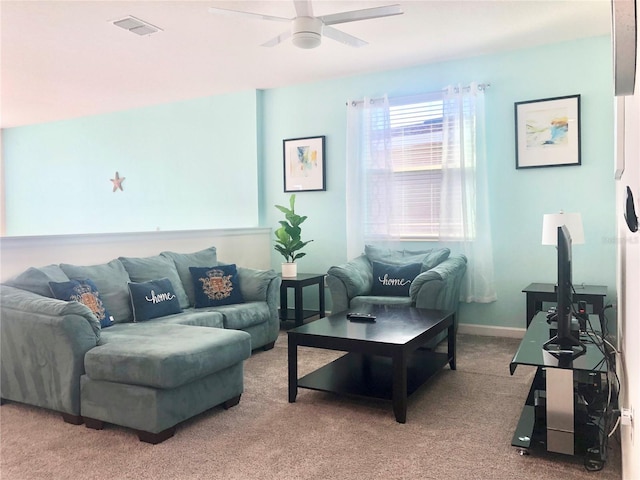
(371, 376)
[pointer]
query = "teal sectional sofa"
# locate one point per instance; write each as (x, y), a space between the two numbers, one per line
(136, 346)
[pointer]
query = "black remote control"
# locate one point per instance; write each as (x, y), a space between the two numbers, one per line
(361, 317)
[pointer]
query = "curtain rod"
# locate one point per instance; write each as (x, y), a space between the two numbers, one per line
(481, 87)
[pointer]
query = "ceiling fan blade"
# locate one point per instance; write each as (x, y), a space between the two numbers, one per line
(342, 37)
(303, 8)
(364, 14)
(279, 39)
(239, 13)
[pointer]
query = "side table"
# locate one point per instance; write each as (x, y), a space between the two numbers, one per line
(546, 292)
(298, 313)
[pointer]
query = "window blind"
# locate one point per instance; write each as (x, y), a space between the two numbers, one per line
(410, 182)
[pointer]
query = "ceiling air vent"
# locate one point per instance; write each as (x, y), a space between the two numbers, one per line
(137, 26)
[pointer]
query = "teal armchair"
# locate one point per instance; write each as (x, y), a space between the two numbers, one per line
(436, 287)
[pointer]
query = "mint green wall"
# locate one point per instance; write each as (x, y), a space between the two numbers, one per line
(188, 165)
(217, 163)
(519, 198)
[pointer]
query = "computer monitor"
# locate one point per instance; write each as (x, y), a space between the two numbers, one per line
(565, 342)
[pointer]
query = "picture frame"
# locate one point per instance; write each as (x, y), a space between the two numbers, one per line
(304, 164)
(548, 132)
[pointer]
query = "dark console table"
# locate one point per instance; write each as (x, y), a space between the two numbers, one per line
(556, 413)
(546, 292)
(298, 312)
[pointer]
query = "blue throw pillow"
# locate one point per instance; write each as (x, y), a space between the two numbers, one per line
(153, 299)
(85, 292)
(214, 286)
(393, 280)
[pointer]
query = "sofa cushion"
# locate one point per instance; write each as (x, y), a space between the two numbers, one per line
(86, 293)
(182, 261)
(153, 299)
(435, 257)
(167, 356)
(111, 279)
(393, 280)
(190, 316)
(36, 280)
(148, 269)
(361, 302)
(428, 258)
(214, 286)
(244, 315)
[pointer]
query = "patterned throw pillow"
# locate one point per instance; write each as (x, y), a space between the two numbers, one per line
(111, 279)
(183, 261)
(216, 286)
(153, 299)
(393, 280)
(85, 292)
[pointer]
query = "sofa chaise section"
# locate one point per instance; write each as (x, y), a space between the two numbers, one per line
(161, 375)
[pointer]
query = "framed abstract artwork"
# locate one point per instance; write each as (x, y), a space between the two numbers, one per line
(548, 132)
(304, 164)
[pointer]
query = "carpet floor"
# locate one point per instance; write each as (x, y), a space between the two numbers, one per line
(459, 426)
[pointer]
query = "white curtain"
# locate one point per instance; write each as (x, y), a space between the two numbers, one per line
(464, 215)
(368, 153)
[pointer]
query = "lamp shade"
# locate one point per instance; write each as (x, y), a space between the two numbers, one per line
(551, 222)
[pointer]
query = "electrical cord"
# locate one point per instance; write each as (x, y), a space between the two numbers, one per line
(601, 406)
(613, 430)
(602, 417)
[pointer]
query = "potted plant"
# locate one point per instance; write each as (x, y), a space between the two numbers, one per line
(288, 241)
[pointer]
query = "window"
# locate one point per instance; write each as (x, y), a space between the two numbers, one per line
(411, 176)
(416, 170)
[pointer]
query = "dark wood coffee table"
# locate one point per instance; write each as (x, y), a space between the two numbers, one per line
(385, 359)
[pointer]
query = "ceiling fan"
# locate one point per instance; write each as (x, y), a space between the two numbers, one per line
(307, 30)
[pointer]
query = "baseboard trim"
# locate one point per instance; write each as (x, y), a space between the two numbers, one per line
(491, 331)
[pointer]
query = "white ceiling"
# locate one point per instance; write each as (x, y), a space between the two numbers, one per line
(65, 59)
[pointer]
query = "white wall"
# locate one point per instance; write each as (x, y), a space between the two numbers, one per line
(244, 247)
(629, 286)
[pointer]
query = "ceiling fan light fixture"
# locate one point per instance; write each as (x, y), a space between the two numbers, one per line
(306, 32)
(306, 39)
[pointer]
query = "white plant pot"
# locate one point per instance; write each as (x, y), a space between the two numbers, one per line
(289, 270)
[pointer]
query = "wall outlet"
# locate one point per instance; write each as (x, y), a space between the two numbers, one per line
(626, 419)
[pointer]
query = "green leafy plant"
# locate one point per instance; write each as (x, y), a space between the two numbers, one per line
(288, 240)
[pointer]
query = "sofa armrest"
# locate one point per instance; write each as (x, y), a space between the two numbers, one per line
(349, 280)
(42, 346)
(264, 286)
(439, 287)
(254, 284)
(15, 301)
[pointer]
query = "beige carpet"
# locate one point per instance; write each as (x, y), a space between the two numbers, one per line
(459, 426)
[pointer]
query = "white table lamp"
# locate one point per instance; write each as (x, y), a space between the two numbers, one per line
(551, 222)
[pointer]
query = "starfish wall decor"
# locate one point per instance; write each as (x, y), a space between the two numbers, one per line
(117, 182)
